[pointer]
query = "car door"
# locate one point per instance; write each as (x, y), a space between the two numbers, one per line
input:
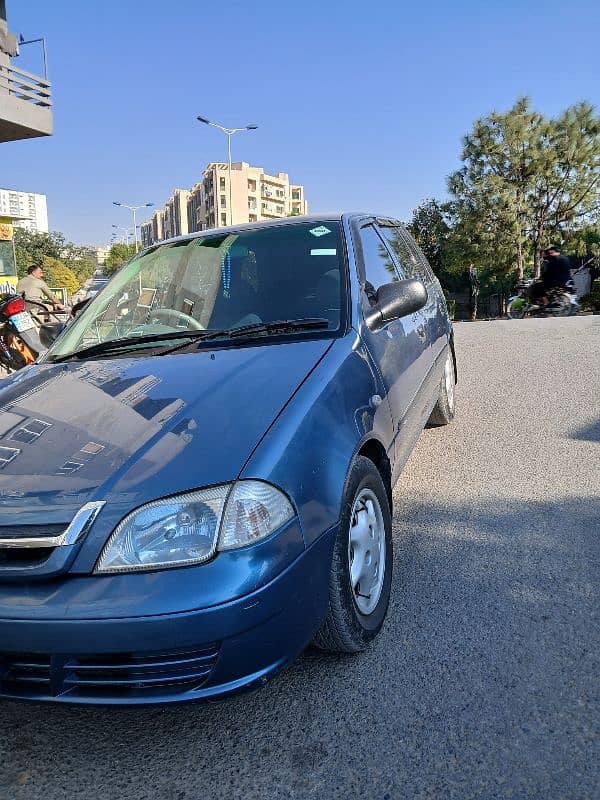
(399, 348)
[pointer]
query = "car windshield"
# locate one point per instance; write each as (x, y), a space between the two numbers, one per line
(219, 282)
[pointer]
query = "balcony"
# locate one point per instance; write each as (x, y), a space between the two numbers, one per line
(25, 105)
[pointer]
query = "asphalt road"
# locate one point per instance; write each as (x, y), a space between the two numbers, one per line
(485, 681)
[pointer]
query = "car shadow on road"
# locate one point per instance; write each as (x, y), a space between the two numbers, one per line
(590, 432)
(484, 676)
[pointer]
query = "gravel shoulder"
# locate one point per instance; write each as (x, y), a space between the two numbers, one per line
(485, 680)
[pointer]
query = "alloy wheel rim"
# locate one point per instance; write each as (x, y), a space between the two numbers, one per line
(366, 551)
(449, 379)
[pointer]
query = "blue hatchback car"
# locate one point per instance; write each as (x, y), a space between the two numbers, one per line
(196, 480)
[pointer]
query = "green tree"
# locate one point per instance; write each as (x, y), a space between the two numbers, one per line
(32, 246)
(80, 260)
(118, 255)
(59, 276)
(429, 226)
(525, 179)
(433, 227)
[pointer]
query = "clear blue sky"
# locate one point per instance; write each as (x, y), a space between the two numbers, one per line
(363, 103)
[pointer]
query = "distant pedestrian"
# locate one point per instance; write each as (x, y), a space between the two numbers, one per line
(473, 291)
(35, 288)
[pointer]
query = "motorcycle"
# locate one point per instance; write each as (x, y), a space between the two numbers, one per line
(562, 302)
(25, 331)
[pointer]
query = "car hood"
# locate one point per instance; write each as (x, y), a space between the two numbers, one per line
(131, 430)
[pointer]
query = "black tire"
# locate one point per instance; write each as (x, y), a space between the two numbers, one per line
(445, 408)
(346, 629)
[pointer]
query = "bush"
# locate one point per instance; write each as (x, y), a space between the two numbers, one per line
(591, 301)
(58, 276)
(118, 255)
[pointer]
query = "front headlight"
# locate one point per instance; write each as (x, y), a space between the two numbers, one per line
(189, 528)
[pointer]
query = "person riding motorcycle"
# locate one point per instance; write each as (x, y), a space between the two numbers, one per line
(555, 274)
(36, 290)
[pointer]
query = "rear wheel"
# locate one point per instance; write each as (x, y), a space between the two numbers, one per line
(444, 409)
(561, 305)
(361, 570)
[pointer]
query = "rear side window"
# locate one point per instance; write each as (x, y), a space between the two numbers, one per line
(408, 254)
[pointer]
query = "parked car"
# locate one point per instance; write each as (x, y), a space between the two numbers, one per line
(196, 479)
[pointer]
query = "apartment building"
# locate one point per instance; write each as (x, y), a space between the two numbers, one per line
(175, 216)
(153, 230)
(255, 195)
(214, 202)
(101, 253)
(28, 210)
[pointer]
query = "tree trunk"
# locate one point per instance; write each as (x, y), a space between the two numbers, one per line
(520, 259)
(473, 306)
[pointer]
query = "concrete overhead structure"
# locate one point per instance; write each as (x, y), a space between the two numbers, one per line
(25, 99)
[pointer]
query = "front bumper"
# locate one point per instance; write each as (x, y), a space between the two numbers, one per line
(169, 657)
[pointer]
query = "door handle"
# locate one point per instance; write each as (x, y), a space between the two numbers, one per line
(421, 332)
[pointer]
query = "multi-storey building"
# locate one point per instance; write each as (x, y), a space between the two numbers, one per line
(25, 99)
(175, 220)
(101, 255)
(153, 230)
(28, 210)
(220, 199)
(253, 195)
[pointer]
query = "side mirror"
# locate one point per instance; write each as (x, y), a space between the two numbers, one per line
(78, 307)
(396, 300)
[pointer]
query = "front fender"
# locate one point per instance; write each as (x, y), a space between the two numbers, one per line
(310, 446)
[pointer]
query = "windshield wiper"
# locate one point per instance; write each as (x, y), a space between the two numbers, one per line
(279, 326)
(127, 342)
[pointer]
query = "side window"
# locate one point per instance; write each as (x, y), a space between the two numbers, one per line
(378, 263)
(397, 242)
(424, 268)
(391, 235)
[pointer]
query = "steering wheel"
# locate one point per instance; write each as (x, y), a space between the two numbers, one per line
(168, 314)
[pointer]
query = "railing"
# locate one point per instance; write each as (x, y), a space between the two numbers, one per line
(25, 86)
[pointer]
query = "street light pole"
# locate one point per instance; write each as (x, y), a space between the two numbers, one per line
(125, 233)
(229, 133)
(133, 209)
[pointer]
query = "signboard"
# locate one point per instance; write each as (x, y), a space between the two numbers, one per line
(6, 231)
(8, 264)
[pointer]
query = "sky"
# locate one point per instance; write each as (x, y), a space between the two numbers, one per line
(363, 103)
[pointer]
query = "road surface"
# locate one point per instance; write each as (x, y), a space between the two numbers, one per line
(485, 681)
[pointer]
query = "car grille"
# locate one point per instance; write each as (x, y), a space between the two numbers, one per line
(104, 676)
(30, 531)
(12, 558)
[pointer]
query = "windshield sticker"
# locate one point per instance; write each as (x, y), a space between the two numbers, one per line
(325, 251)
(320, 231)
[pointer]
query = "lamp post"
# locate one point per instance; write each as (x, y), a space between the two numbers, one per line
(124, 233)
(229, 133)
(133, 209)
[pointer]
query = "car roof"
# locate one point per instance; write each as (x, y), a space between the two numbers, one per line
(271, 223)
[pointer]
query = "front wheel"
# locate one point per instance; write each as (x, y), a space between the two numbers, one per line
(445, 407)
(361, 570)
(517, 307)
